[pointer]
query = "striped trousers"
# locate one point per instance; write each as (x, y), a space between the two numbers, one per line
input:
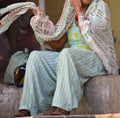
(57, 78)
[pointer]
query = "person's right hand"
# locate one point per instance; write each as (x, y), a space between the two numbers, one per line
(42, 22)
(79, 7)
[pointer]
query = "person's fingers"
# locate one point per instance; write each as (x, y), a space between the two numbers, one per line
(77, 5)
(37, 11)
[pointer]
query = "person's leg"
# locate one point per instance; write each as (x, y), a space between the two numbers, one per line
(40, 81)
(75, 67)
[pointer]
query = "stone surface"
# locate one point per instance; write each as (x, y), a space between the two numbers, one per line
(101, 95)
(81, 116)
(9, 100)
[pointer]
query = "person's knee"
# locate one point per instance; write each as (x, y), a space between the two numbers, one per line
(34, 55)
(65, 51)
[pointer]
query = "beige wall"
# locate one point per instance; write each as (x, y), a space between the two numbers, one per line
(54, 9)
(114, 6)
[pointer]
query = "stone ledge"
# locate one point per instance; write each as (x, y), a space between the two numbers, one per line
(102, 96)
(81, 116)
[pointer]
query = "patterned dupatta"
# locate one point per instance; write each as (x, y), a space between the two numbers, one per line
(96, 38)
(43, 28)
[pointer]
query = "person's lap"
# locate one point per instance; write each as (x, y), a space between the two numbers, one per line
(86, 63)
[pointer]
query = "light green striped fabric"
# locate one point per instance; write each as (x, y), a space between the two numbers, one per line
(57, 79)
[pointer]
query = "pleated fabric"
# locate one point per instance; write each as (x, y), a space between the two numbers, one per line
(57, 78)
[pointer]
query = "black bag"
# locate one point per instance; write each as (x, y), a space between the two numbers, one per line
(19, 73)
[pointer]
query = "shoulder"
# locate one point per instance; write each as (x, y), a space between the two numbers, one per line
(102, 4)
(103, 8)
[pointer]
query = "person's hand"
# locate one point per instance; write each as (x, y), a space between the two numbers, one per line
(54, 44)
(42, 22)
(57, 45)
(37, 11)
(79, 7)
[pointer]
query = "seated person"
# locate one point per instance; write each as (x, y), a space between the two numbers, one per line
(57, 78)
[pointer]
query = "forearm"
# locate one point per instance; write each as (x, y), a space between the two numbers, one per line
(57, 45)
(76, 4)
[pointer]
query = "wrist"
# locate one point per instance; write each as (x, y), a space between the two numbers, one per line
(81, 14)
(79, 17)
(81, 20)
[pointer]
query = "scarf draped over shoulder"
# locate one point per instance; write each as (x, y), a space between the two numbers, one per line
(43, 28)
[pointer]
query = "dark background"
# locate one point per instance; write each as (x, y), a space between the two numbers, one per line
(19, 36)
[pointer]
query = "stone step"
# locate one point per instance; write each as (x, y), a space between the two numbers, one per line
(81, 116)
(101, 96)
